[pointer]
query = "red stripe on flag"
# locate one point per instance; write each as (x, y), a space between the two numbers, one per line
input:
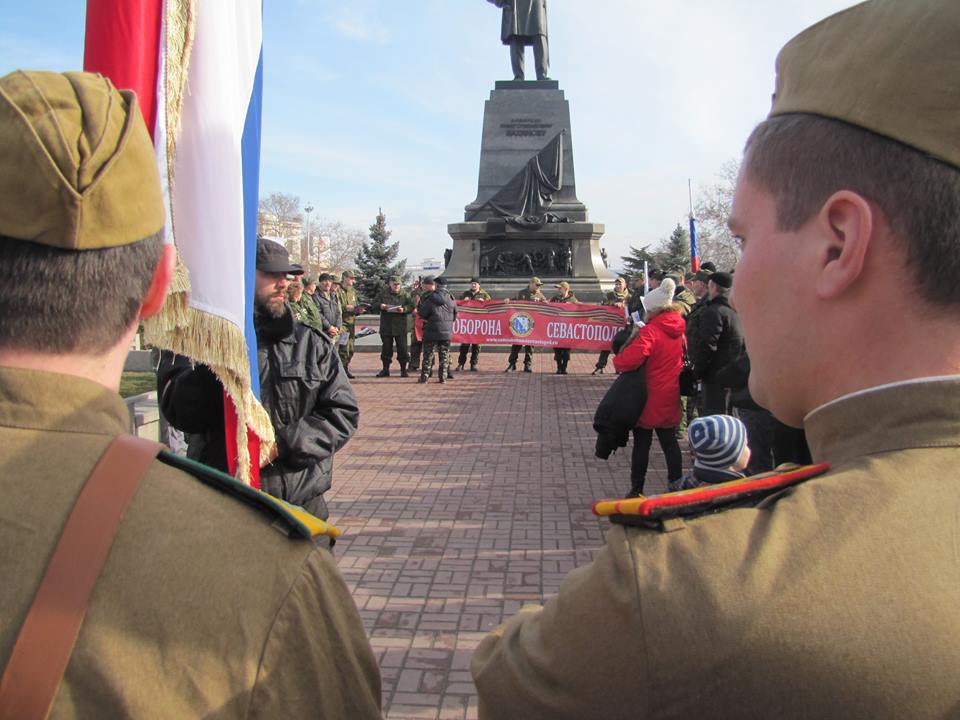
(253, 443)
(123, 42)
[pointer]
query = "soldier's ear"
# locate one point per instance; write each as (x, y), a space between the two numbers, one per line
(157, 292)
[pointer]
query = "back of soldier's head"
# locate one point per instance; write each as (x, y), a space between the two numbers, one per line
(861, 104)
(81, 212)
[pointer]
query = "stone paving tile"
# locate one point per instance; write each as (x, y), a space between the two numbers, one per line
(461, 503)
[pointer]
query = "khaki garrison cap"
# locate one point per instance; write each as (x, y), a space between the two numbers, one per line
(889, 66)
(77, 167)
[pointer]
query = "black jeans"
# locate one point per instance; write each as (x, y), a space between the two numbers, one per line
(641, 455)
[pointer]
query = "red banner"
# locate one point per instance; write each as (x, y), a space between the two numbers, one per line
(540, 324)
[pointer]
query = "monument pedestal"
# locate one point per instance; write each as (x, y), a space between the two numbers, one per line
(477, 246)
(526, 219)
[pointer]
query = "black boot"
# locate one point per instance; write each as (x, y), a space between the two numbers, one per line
(422, 379)
(473, 367)
(636, 489)
(512, 367)
(563, 367)
(385, 372)
(459, 367)
(449, 374)
(403, 370)
(597, 371)
(527, 368)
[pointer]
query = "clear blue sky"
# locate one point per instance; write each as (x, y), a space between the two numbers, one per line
(379, 103)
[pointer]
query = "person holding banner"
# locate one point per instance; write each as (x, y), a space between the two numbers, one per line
(172, 591)
(476, 293)
(531, 293)
(618, 297)
(561, 355)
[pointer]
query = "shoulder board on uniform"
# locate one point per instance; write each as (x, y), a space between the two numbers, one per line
(289, 519)
(660, 509)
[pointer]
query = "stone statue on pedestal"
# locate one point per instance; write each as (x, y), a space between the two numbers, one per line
(525, 23)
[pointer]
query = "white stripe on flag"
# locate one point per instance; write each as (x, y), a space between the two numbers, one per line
(207, 197)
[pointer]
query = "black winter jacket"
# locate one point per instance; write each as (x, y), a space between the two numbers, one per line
(311, 405)
(719, 343)
(438, 310)
(619, 410)
(191, 400)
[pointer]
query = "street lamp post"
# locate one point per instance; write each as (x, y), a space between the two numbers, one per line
(306, 261)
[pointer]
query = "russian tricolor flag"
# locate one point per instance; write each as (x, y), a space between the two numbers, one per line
(197, 69)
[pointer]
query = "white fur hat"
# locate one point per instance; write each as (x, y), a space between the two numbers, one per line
(661, 297)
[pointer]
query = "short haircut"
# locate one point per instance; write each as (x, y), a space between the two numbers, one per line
(803, 159)
(66, 301)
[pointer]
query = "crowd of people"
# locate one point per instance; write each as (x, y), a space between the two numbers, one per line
(137, 583)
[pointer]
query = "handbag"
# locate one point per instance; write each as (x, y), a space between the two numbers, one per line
(688, 381)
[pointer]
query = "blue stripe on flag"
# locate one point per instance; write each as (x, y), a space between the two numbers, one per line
(250, 152)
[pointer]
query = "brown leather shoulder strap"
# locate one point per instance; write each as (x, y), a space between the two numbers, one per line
(45, 643)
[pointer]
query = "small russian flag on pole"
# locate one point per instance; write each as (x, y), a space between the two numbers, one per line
(694, 250)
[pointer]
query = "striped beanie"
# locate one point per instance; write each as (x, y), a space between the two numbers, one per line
(717, 441)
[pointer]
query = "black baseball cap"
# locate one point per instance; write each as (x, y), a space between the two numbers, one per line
(272, 257)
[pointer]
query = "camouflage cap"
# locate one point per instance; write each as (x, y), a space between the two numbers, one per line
(536, 281)
(394, 279)
(563, 285)
(348, 273)
(78, 170)
(883, 66)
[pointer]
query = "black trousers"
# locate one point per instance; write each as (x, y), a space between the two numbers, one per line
(386, 351)
(640, 458)
(561, 356)
(714, 399)
(602, 360)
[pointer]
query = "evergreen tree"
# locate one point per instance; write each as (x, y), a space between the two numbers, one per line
(376, 260)
(675, 251)
(633, 263)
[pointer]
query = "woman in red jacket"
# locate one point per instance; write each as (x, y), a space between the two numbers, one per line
(659, 346)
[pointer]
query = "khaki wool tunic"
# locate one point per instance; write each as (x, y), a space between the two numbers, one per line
(203, 608)
(836, 598)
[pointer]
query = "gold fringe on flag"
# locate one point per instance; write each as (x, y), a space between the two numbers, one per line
(204, 337)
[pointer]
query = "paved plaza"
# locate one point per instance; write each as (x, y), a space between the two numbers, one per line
(462, 502)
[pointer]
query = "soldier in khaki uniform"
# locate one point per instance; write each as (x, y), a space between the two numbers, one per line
(395, 305)
(201, 608)
(475, 292)
(618, 297)
(827, 592)
(531, 292)
(350, 307)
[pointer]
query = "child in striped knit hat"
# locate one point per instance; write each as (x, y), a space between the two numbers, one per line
(720, 451)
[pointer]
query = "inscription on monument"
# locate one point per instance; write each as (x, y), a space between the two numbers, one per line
(526, 127)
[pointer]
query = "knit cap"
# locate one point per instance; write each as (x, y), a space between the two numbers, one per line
(716, 441)
(660, 297)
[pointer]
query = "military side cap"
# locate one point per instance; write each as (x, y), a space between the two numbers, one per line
(348, 273)
(563, 285)
(536, 281)
(394, 279)
(78, 170)
(883, 65)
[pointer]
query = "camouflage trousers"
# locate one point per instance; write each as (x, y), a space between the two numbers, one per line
(442, 348)
(345, 350)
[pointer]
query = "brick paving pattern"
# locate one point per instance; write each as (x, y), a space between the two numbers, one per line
(462, 502)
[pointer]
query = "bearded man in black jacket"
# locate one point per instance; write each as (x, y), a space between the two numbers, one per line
(302, 387)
